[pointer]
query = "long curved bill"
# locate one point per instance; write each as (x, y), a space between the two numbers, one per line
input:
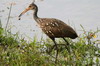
(23, 12)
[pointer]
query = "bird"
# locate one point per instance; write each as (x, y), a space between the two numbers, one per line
(53, 28)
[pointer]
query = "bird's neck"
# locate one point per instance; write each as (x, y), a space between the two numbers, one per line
(35, 15)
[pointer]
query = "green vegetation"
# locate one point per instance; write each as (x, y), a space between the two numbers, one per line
(17, 52)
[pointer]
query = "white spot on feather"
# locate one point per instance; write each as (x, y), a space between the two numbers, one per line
(47, 32)
(47, 24)
(56, 24)
(53, 24)
(51, 33)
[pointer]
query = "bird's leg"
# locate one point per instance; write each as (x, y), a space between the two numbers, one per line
(66, 41)
(50, 49)
(67, 46)
(56, 49)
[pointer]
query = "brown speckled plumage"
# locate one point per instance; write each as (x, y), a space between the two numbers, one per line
(55, 28)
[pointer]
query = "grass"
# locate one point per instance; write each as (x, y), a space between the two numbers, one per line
(17, 52)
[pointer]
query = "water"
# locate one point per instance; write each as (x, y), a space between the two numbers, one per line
(72, 12)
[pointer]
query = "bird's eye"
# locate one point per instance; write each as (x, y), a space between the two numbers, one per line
(29, 6)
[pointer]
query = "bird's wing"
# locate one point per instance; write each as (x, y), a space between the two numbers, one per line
(56, 28)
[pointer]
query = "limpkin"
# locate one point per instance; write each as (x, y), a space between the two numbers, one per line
(52, 27)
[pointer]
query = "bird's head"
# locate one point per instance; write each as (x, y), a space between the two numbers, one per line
(32, 6)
